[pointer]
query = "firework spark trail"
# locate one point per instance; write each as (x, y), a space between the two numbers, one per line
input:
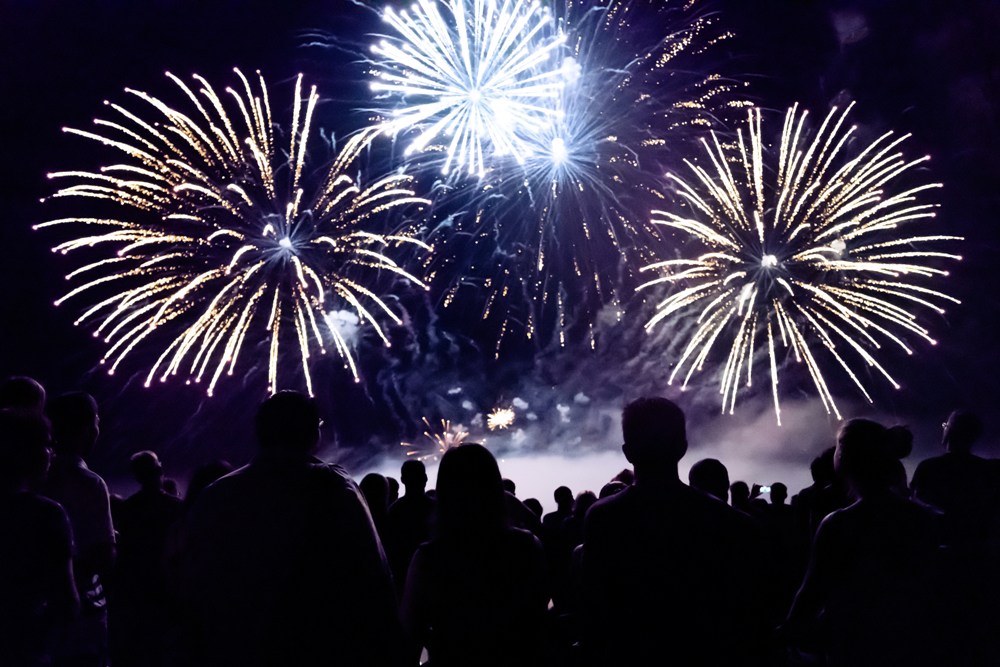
(218, 238)
(568, 224)
(819, 259)
(477, 74)
(436, 441)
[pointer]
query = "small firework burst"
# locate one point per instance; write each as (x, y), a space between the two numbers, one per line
(808, 251)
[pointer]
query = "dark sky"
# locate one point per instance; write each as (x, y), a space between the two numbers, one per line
(921, 66)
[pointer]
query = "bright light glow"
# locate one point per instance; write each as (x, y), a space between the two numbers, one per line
(853, 272)
(206, 201)
(500, 418)
(478, 75)
(559, 152)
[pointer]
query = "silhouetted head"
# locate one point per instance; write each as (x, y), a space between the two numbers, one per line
(584, 500)
(710, 476)
(24, 448)
(821, 467)
(868, 454)
(375, 489)
(961, 430)
(470, 496)
(564, 499)
(739, 494)
(75, 423)
(534, 505)
(414, 476)
(146, 469)
(509, 486)
(22, 393)
(393, 489)
(610, 489)
(626, 476)
(288, 421)
(779, 493)
(654, 434)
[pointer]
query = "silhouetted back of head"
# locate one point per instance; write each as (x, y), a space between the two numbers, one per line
(962, 429)
(868, 453)
(509, 486)
(710, 476)
(779, 493)
(146, 469)
(584, 500)
(470, 496)
(414, 476)
(24, 440)
(654, 432)
(564, 498)
(739, 494)
(534, 505)
(288, 421)
(203, 476)
(75, 423)
(375, 488)
(22, 393)
(821, 467)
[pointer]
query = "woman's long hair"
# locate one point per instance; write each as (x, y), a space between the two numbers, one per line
(470, 497)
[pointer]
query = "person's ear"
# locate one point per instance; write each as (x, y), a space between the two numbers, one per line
(629, 452)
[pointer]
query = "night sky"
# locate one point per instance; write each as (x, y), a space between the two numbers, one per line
(922, 66)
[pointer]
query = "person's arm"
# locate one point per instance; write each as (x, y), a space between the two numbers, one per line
(813, 592)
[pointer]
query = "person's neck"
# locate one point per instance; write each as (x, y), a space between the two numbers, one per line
(657, 477)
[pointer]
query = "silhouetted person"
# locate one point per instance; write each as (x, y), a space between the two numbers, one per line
(739, 496)
(22, 393)
(959, 483)
(870, 576)
(476, 593)
(409, 520)
(573, 524)
(535, 506)
(666, 571)
(510, 487)
(965, 487)
(710, 476)
(84, 496)
(375, 489)
(280, 563)
(557, 545)
(393, 490)
(138, 614)
(37, 591)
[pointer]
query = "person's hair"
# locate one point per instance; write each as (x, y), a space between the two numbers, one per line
(470, 495)
(654, 431)
(287, 420)
(964, 428)
(710, 476)
(509, 486)
(739, 492)
(24, 441)
(375, 488)
(22, 393)
(72, 416)
(563, 497)
(868, 453)
(146, 468)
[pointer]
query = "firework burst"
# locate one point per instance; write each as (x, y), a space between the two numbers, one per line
(222, 240)
(567, 226)
(436, 441)
(812, 255)
(500, 418)
(476, 74)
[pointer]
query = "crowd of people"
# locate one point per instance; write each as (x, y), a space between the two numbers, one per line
(286, 561)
